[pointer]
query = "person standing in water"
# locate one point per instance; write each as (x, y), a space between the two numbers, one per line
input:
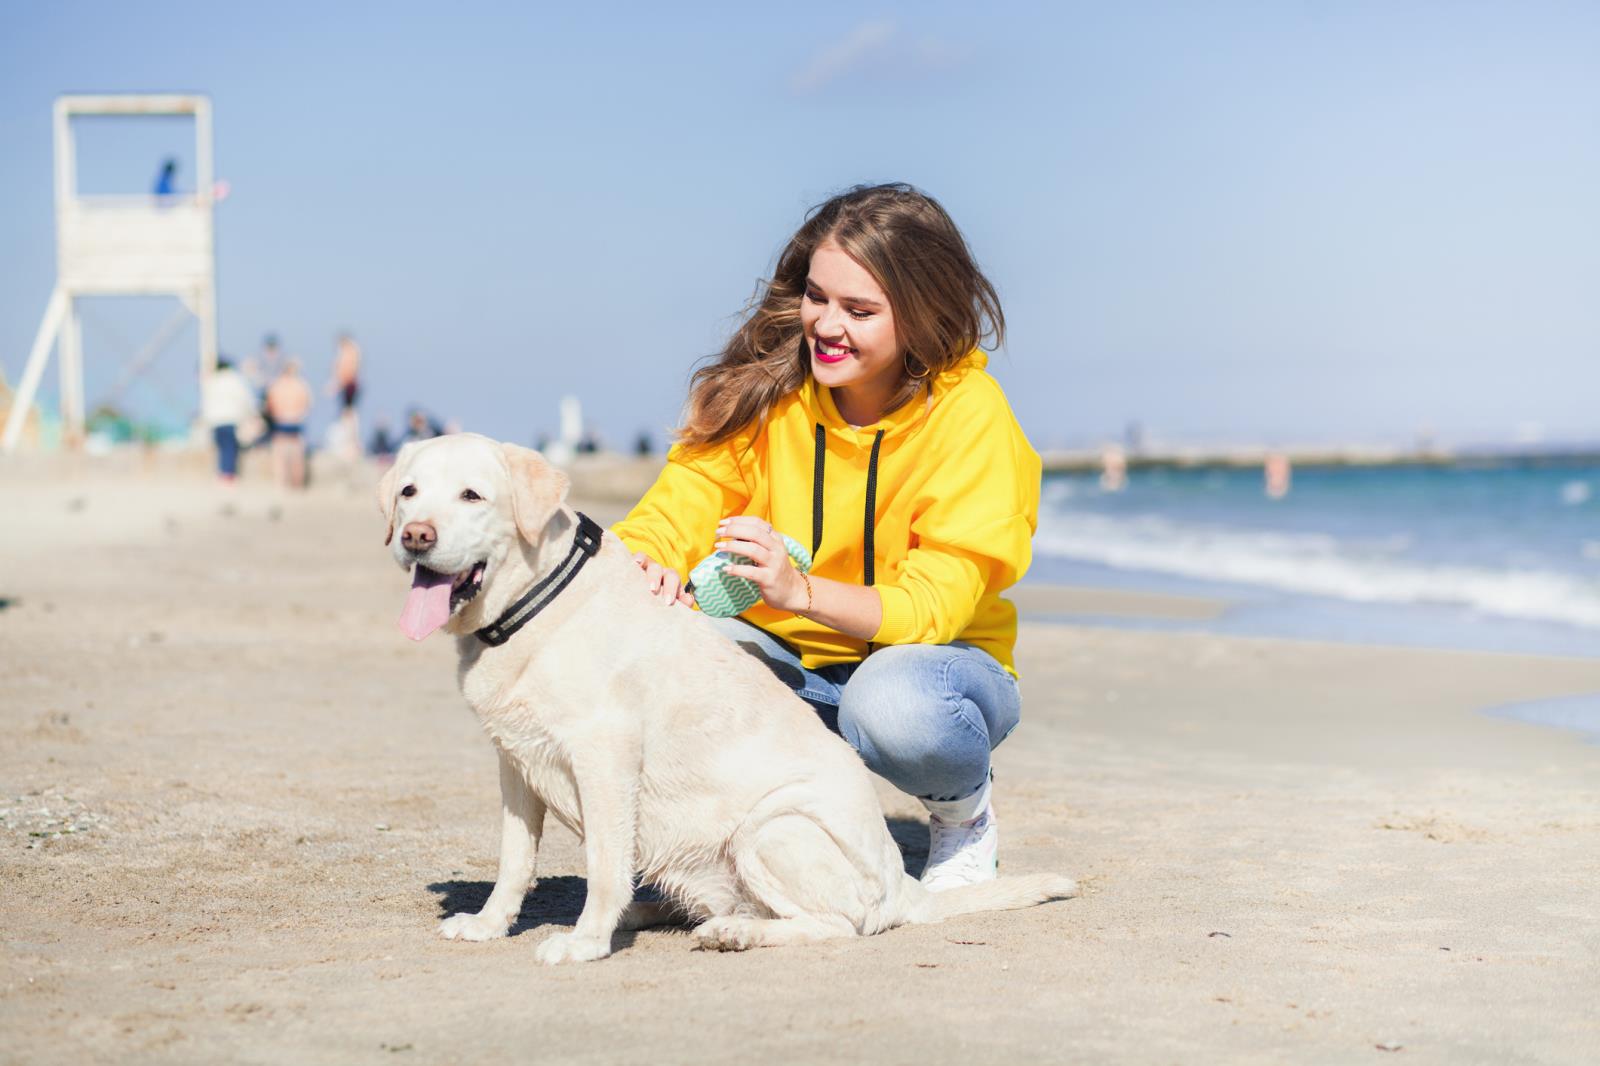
(852, 410)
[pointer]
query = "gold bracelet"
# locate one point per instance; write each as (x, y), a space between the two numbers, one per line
(807, 579)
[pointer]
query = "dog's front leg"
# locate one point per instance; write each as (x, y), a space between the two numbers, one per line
(521, 825)
(607, 795)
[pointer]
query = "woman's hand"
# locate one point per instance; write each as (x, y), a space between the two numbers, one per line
(663, 582)
(770, 567)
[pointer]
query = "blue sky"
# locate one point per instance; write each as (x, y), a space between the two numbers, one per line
(1228, 221)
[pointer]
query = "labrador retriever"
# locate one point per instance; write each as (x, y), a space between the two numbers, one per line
(675, 756)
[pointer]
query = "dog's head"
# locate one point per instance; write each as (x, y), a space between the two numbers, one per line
(457, 507)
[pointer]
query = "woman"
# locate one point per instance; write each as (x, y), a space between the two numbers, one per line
(852, 411)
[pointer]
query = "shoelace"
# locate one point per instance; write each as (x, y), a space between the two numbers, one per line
(948, 841)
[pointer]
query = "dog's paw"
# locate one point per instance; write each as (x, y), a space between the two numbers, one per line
(726, 934)
(570, 947)
(473, 927)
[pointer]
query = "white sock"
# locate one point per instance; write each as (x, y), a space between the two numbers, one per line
(953, 812)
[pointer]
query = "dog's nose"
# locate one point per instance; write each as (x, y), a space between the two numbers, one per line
(418, 536)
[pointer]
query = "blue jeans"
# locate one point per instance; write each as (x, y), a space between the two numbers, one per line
(923, 716)
(227, 439)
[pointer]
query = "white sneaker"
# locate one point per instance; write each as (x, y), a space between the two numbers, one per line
(962, 853)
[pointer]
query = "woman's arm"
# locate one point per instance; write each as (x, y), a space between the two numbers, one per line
(854, 610)
(666, 529)
(972, 537)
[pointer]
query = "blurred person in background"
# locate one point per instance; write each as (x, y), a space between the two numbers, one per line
(381, 446)
(346, 383)
(261, 370)
(228, 406)
(344, 437)
(419, 426)
(166, 185)
(288, 404)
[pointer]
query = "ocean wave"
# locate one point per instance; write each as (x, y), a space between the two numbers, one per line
(1316, 564)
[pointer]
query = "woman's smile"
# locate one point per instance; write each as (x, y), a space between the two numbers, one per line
(832, 353)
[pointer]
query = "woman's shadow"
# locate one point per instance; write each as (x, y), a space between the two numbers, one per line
(557, 901)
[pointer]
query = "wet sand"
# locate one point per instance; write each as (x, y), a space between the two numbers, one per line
(237, 801)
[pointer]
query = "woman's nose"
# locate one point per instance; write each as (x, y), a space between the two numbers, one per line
(830, 324)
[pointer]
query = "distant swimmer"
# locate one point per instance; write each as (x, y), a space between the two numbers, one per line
(288, 404)
(1277, 475)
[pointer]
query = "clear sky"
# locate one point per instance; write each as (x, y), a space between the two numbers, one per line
(1269, 221)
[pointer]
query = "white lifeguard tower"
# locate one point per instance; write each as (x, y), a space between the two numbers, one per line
(143, 245)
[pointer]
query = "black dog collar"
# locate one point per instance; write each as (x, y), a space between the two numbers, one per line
(584, 546)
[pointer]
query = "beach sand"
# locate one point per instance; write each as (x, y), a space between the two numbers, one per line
(1289, 851)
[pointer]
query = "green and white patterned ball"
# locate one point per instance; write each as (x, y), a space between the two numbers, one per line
(721, 594)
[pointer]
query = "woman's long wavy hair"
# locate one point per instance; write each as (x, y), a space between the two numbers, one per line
(943, 306)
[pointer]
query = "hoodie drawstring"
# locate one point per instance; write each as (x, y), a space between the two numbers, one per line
(816, 490)
(868, 553)
(871, 520)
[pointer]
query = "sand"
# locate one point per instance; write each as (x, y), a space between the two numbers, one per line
(237, 801)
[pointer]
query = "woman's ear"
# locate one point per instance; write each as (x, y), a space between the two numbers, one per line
(537, 490)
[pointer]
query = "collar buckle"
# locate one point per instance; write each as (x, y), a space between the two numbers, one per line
(587, 539)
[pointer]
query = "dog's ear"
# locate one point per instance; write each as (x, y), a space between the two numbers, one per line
(388, 486)
(537, 490)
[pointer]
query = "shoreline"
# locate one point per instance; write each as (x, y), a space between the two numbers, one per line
(1093, 607)
(1315, 456)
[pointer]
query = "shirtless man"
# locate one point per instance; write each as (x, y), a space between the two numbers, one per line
(288, 403)
(347, 373)
(346, 385)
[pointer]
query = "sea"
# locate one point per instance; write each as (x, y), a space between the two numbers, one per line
(1497, 555)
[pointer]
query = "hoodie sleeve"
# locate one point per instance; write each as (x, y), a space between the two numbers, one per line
(676, 521)
(972, 537)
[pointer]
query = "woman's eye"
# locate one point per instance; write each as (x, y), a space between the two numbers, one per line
(469, 495)
(815, 298)
(860, 314)
(409, 491)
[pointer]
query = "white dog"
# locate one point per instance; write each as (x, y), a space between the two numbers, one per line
(667, 749)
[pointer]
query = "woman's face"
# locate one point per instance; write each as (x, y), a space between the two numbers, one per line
(849, 330)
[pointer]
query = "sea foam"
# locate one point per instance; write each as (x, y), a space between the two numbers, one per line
(1365, 571)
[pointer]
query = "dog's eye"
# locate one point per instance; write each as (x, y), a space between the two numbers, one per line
(469, 495)
(409, 491)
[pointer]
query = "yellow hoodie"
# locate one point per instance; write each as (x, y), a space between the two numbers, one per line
(955, 509)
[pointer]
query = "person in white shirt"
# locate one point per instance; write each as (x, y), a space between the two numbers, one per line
(227, 403)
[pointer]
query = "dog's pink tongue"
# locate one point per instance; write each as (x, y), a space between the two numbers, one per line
(428, 606)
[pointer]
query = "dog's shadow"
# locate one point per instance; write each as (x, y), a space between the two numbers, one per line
(554, 901)
(912, 837)
(557, 901)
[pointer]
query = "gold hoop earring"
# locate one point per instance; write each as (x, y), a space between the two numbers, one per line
(926, 370)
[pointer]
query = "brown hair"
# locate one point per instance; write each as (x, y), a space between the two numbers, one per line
(943, 306)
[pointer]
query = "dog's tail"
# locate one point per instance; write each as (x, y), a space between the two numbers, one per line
(1001, 894)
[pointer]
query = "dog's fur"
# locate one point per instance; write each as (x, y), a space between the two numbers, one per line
(672, 753)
